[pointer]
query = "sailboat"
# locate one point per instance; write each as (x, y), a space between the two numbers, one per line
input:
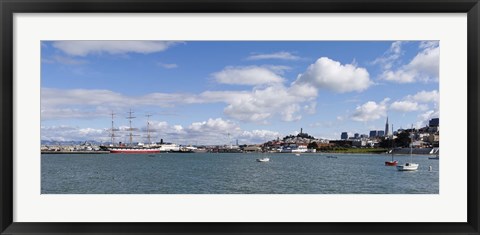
(122, 148)
(409, 166)
(392, 162)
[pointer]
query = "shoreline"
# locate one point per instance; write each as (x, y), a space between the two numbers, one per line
(74, 152)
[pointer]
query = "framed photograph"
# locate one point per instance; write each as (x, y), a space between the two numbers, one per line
(223, 117)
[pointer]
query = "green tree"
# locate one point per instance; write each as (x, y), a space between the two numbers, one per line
(403, 139)
(313, 145)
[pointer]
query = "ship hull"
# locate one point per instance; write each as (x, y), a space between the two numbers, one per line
(391, 163)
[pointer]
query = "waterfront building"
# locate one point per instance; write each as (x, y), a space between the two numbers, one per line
(344, 136)
(356, 136)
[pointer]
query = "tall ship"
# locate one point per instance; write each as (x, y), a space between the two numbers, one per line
(130, 148)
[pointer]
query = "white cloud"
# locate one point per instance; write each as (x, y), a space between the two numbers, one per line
(426, 97)
(406, 106)
(282, 55)
(211, 131)
(214, 125)
(371, 111)
(264, 103)
(290, 113)
(427, 116)
(69, 133)
(428, 44)
(417, 102)
(167, 66)
(250, 75)
(423, 67)
(253, 106)
(84, 48)
(310, 108)
(329, 74)
(258, 136)
(390, 57)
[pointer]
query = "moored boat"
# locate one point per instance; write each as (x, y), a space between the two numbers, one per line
(265, 159)
(434, 158)
(391, 162)
(130, 148)
(409, 166)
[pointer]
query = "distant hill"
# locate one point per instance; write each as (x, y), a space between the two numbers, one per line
(300, 135)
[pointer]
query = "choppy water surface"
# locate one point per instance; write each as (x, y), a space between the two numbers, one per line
(210, 173)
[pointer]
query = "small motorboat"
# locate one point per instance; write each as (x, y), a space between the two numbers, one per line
(330, 156)
(297, 154)
(265, 159)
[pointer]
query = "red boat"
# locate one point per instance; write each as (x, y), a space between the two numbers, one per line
(391, 163)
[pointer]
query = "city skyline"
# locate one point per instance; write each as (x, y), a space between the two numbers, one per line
(207, 92)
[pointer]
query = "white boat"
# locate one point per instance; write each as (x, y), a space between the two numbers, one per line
(409, 166)
(297, 154)
(265, 159)
(434, 158)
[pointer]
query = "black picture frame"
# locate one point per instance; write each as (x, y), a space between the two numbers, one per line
(9, 7)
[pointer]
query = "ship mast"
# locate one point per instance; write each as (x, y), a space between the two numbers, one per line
(113, 130)
(148, 128)
(130, 117)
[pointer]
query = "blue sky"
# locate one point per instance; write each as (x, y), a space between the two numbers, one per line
(202, 92)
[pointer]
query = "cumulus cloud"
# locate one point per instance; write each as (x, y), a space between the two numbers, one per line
(211, 131)
(328, 74)
(251, 106)
(417, 102)
(406, 106)
(282, 55)
(84, 48)
(69, 133)
(425, 117)
(214, 125)
(249, 75)
(370, 111)
(263, 103)
(425, 97)
(391, 56)
(423, 67)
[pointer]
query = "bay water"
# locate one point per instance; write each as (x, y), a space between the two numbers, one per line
(232, 173)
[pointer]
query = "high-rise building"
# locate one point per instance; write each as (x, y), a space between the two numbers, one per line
(434, 122)
(380, 133)
(356, 135)
(386, 127)
(373, 134)
(344, 136)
